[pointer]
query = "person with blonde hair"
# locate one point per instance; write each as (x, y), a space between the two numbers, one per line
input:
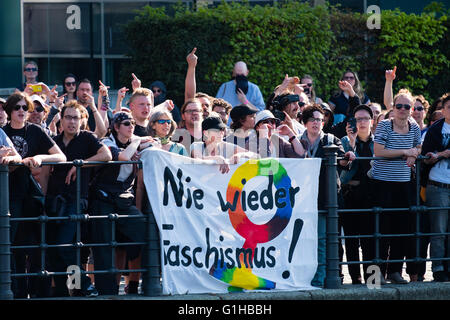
(397, 138)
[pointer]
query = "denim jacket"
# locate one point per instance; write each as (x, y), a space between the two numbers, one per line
(347, 175)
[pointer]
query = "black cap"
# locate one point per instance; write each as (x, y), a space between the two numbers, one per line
(241, 111)
(213, 123)
(363, 107)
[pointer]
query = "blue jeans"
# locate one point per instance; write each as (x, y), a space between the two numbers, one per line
(319, 277)
(439, 222)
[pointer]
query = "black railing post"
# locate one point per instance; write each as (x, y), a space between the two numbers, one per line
(332, 279)
(5, 245)
(151, 257)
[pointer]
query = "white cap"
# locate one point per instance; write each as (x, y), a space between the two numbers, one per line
(263, 115)
(37, 98)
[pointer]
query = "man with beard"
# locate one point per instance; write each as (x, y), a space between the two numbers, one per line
(241, 91)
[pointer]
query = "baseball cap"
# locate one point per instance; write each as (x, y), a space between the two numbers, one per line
(213, 123)
(241, 111)
(119, 117)
(326, 106)
(363, 107)
(36, 98)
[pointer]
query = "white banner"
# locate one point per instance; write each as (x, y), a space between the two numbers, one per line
(253, 228)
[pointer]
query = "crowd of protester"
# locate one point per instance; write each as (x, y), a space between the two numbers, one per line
(39, 124)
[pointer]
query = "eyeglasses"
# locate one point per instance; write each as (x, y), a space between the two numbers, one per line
(162, 121)
(193, 111)
(68, 117)
(128, 123)
(419, 108)
(365, 119)
(222, 113)
(24, 107)
(349, 78)
(69, 84)
(405, 106)
(30, 69)
(315, 120)
(268, 121)
(39, 109)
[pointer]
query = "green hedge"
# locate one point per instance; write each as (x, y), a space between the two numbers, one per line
(292, 38)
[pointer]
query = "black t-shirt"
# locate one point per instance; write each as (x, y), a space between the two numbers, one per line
(140, 131)
(83, 146)
(29, 141)
(363, 149)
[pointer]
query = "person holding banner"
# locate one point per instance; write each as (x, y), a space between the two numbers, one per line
(113, 194)
(270, 144)
(314, 140)
(214, 148)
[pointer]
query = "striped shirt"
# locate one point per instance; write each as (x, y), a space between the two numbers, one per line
(394, 170)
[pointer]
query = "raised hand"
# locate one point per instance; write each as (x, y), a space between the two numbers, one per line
(390, 74)
(346, 87)
(192, 59)
(103, 89)
(135, 83)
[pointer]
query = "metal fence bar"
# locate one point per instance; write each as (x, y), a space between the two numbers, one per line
(151, 266)
(5, 250)
(332, 279)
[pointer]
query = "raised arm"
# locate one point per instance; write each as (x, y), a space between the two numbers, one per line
(388, 96)
(190, 86)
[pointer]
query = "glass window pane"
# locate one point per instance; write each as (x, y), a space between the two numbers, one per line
(61, 28)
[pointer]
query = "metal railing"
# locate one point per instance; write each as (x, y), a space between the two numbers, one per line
(151, 264)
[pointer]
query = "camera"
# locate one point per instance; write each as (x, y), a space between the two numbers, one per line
(352, 122)
(279, 114)
(282, 101)
(36, 87)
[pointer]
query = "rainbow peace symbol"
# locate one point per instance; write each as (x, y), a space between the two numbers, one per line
(259, 233)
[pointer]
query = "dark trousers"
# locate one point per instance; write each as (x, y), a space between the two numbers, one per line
(354, 224)
(129, 230)
(26, 260)
(396, 195)
(64, 232)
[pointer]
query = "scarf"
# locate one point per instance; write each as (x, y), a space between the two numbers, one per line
(311, 148)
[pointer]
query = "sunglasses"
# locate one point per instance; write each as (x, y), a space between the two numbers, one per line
(162, 121)
(157, 90)
(309, 84)
(128, 123)
(269, 121)
(349, 78)
(39, 109)
(419, 108)
(70, 83)
(30, 69)
(405, 106)
(24, 107)
(301, 104)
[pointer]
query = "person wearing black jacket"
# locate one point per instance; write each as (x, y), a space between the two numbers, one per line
(112, 192)
(314, 140)
(437, 180)
(339, 130)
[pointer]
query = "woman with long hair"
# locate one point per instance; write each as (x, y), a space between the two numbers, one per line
(339, 102)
